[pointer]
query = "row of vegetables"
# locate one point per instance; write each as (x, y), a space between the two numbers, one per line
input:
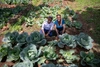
(39, 17)
(27, 1)
(26, 50)
(7, 13)
(15, 1)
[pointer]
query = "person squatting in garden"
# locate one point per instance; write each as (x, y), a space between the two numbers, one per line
(47, 27)
(59, 25)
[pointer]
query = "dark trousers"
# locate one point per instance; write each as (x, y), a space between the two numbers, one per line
(60, 30)
(52, 32)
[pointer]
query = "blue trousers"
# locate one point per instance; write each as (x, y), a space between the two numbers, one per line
(46, 31)
(52, 32)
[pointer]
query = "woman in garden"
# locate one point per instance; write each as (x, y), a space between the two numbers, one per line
(47, 27)
(59, 25)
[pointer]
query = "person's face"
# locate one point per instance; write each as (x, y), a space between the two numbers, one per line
(49, 20)
(59, 18)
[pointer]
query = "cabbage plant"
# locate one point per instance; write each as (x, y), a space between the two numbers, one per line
(53, 42)
(48, 65)
(71, 65)
(13, 53)
(85, 41)
(77, 24)
(10, 37)
(4, 50)
(36, 38)
(30, 53)
(21, 38)
(49, 52)
(89, 59)
(66, 39)
(29, 21)
(24, 64)
(68, 55)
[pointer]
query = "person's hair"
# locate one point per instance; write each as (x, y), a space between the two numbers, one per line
(58, 15)
(50, 17)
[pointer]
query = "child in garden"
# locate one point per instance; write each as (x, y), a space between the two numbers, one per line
(59, 25)
(47, 27)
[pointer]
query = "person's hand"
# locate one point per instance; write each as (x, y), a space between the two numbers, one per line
(46, 35)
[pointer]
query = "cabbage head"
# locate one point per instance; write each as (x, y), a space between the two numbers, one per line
(89, 59)
(21, 38)
(24, 64)
(66, 39)
(13, 54)
(30, 53)
(10, 37)
(4, 50)
(49, 53)
(85, 41)
(36, 38)
(68, 55)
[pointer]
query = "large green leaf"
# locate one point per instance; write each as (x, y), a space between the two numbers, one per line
(85, 41)
(36, 38)
(10, 37)
(48, 65)
(30, 53)
(68, 55)
(22, 38)
(66, 39)
(4, 50)
(89, 59)
(24, 64)
(13, 54)
(49, 52)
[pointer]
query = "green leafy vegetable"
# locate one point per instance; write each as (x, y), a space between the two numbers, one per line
(10, 37)
(36, 38)
(48, 65)
(29, 21)
(89, 59)
(30, 53)
(66, 39)
(77, 24)
(13, 53)
(4, 50)
(68, 55)
(22, 38)
(24, 64)
(85, 41)
(49, 53)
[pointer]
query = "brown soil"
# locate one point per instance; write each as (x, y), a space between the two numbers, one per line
(7, 6)
(1, 36)
(8, 63)
(29, 29)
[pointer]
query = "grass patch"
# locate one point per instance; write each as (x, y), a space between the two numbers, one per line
(81, 4)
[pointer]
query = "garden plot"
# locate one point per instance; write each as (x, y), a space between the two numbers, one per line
(29, 50)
